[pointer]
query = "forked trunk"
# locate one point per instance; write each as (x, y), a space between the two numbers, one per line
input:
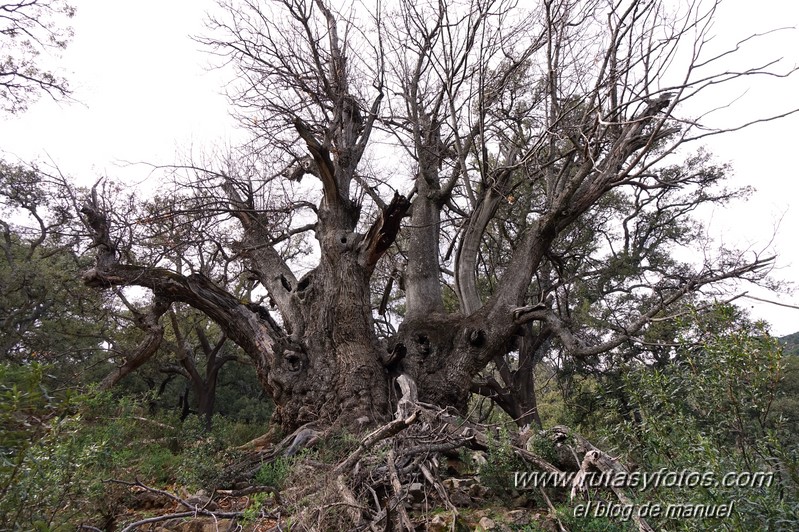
(335, 372)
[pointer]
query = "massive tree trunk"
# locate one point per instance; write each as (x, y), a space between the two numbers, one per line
(329, 367)
(335, 370)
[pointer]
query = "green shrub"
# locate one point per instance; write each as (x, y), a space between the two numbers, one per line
(44, 458)
(274, 473)
(501, 464)
(253, 511)
(543, 447)
(709, 411)
(58, 446)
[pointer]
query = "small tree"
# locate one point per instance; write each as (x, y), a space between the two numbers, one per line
(714, 406)
(46, 314)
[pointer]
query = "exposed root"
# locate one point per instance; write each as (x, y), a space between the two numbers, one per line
(193, 507)
(388, 471)
(399, 495)
(595, 459)
(393, 476)
(255, 456)
(386, 431)
(603, 462)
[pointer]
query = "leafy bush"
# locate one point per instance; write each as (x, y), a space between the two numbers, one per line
(542, 446)
(274, 473)
(57, 447)
(44, 458)
(253, 511)
(710, 411)
(501, 463)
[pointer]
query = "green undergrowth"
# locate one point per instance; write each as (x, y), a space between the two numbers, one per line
(500, 465)
(719, 410)
(58, 449)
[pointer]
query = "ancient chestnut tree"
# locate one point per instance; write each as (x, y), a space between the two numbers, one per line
(434, 187)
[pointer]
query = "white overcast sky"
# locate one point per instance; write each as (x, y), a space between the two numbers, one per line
(145, 94)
